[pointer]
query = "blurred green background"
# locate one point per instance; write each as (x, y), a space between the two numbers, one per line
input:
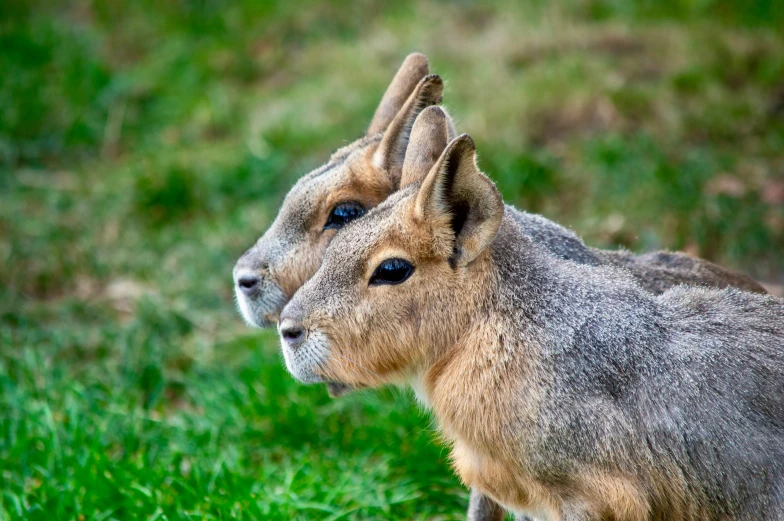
(145, 145)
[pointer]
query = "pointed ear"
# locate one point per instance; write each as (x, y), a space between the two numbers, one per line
(432, 131)
(391, 150)
(456, 194)
(413, 69)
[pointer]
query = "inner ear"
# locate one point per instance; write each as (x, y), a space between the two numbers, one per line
(391, 151)
(458, 208)
(460, 212)
(457, 194)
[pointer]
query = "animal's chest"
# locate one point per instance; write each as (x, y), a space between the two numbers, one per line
(490, 452)
(497, 474)
(501, 469)
(481, 409)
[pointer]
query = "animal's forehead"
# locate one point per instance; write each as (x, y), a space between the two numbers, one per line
(357, 240)
(360, 144)
(316, 185)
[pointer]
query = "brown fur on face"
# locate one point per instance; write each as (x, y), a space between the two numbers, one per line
(407, 332)
(367, 172)
(372, 168)
(356, 180)
(378, 361)
(566, 390)
(427, 236)
(364, 173)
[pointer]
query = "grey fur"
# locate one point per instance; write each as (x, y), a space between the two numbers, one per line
(284, 244)
(696, 376)
(655, 271)
(687, 386)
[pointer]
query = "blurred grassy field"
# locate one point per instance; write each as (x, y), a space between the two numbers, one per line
(144, 145)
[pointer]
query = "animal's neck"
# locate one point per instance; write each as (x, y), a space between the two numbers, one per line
(470, 386)
(496, 358)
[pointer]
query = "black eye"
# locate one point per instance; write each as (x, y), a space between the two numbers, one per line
(392, 271)
(342, 214)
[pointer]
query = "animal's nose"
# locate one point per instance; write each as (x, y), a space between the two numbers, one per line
(292, 332)
(249, 284)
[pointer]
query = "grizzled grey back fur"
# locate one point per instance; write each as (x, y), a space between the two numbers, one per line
(691, 380)
(595, 398)
(656, 271)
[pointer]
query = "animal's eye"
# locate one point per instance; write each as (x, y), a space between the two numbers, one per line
(342, 214)
(392, 271)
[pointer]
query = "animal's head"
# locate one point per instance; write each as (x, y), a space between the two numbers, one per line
(396, 287)
(356, 178)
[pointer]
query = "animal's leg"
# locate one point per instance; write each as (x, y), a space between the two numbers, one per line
(482, 508)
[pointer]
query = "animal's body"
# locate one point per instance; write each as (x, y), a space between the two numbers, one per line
(567, 391)
(364, 173)
(641, 407)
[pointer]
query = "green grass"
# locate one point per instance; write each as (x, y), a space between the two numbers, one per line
(145, 145)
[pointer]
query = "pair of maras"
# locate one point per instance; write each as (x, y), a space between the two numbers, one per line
(568, 384)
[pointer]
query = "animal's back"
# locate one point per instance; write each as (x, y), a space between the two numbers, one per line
(556, 239)
(683, 391)
(655, 271)
(703, 380)
(662, 270)
(725, 388)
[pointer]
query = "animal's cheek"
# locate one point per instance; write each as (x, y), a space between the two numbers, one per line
(296, 266)
(384, 308)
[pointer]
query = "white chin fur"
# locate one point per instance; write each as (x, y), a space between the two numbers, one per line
(262, 312)
(244, 308)
(304, 361)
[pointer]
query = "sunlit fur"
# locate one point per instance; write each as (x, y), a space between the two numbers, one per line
(566, 390)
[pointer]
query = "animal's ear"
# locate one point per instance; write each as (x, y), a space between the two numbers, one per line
(432, 131)
(456, 195)
(390, 154)
(413, 69)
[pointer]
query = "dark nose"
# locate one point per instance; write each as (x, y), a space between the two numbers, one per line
(292, 332)
(248, 284)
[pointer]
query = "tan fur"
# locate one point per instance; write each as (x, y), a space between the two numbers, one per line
(430, 135)
(472, 404)
(363, 172)
(391, 150)
(363, 185)
(380, 364)
(367, 172)
(470, 396)
(372, 168)
(487, 380)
